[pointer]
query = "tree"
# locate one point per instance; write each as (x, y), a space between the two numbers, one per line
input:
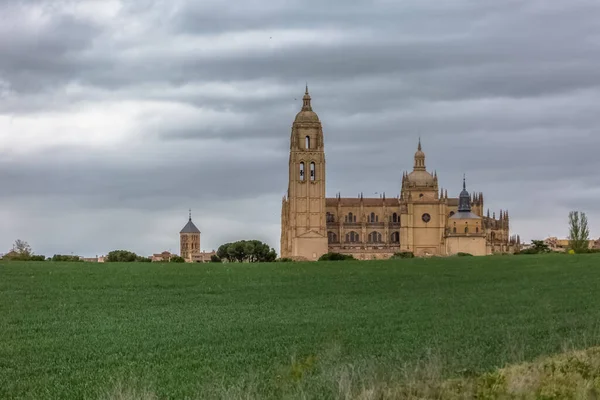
(21, 251)
(121, 256)
(215, 258)
(246, 251)
(22, 248)
(177, 259)
(579, 233)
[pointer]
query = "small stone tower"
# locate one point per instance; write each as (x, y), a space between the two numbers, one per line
(189, 240)
(304, 229)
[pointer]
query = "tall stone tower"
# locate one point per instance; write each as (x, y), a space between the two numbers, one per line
(189, 240)
(304, 229)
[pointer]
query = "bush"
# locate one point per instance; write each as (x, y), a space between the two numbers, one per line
(177, 259)
(285, 259)
(215, 258)
(65, 258)
(461, 254)
(403, 254)
(121, 256)
(336, 257)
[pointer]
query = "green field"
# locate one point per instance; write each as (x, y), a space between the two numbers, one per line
(77, 330)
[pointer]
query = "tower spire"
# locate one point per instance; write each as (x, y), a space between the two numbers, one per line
(306, 106)
(190, 214)
(464, 200)
(419, 158)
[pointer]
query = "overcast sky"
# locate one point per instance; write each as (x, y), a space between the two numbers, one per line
(118, 116)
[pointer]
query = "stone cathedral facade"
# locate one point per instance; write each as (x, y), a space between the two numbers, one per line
(422, 219)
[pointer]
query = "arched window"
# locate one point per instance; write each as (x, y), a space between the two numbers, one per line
(395, 237)
(493, 236)
(395, 217)
(454, 230)
(477, 229)
(421, 195)
(352, 237)
(372, 217)
(374, 237)
(302, 171)
(451, 213)
(349, 218)
(332, 237)
(307, 142)
(466, 229)
(329, 217)
(312, 171)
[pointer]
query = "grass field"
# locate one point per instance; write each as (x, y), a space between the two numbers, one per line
(84, 330)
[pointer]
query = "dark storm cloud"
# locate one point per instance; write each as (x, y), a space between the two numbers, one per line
(205, 93)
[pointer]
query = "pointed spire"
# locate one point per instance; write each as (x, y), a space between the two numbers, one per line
(419, 146)
(190, 214)
(384, 195)
(488, 213)
(464, 182)
(361, 195)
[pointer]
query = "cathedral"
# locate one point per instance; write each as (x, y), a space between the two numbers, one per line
(422, 219)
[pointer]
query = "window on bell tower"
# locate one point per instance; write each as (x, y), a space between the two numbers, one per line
(302, 171)
(312, 171)
(307, 142)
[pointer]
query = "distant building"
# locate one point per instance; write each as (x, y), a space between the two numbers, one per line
(165, 256)
(556, 244)
(189, 244)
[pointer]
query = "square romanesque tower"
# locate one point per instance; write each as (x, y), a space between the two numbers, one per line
(189, 240)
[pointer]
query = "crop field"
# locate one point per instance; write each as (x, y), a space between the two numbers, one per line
(140, 330)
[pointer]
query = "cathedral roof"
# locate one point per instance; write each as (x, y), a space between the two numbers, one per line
(306, 114)
(421, 178)
(355, 202)
(190, 227)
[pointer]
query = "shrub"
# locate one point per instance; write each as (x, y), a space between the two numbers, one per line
(403, 254)
(285, 259)
(336, 257)
(215, 258)
(177, 259)
(461, 254)
(65, 258)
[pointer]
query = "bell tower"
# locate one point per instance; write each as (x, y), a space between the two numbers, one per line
(304, 229)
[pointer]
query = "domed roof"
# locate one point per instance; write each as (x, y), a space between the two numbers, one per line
(306, 114)
(421, 178)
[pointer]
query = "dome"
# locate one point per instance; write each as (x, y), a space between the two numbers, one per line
(421, 178)
(307, 116)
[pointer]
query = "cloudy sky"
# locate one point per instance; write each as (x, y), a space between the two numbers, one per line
(118, 116)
